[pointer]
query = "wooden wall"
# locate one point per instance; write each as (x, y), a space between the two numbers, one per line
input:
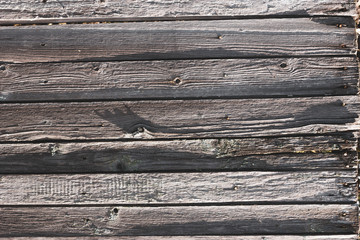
(178, 119)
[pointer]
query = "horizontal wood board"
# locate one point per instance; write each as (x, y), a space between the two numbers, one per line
(179, 40)
(216, 78)
(178, 119)
(22, 11)
(183, 221)
(176, 188)
(333, 152)
(264, 237)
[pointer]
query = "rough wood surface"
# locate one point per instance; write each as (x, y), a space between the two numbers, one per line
(179, 40)
(183, 221)
(264, 237)
(178, 118)
(178, 79)
(89, 10)
(291, 153)
(176, 188)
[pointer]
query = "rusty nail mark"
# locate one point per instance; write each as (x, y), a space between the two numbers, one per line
(343, 45)
(345, 86)
(345, 68)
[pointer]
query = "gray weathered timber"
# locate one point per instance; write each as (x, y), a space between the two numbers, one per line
(190, 220)
(264, 237)
(291, 153)
(19, 11)
(236, 78)
(178, 40)
(179, 188)
(178, 118)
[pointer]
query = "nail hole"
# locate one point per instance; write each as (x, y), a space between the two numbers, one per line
(2, 68)
(283, 65)
(177, 80)
(84, 158)
(96, 69)
(345, 68)
(44, 1)
(42, 44)
(46, 81)
(345, 86)
(115, 210)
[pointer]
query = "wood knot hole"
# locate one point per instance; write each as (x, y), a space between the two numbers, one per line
(177, 80)
(283, 65)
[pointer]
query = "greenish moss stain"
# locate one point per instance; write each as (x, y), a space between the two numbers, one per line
(128, 163)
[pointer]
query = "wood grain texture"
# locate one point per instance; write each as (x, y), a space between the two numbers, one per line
(178, 79)
(89, 10)
(183, 221)
(291, 153)
(264, 237)
(178, 119)
(178, 40)
(177, 188)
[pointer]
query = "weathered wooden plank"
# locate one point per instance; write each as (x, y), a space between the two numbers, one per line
(291, 153)
(178, 118)
(264, 237)
(180, 221)
(88, 10)
(179, 40)
(176, 188)
(178, 79)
